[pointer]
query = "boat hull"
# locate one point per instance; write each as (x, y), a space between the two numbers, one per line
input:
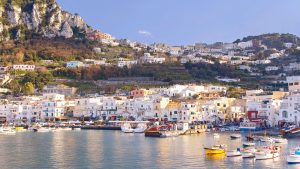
(214, 151)
(293, 159)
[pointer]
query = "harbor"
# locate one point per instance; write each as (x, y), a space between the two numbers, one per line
(115, 149)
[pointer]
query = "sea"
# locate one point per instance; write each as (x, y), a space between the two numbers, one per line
(93, 149)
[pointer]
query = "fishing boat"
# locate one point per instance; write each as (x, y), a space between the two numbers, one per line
(141, 127)
(248, 144)
(235, 136)
(217, 149)
(126, 128)
(234, 153)
(294, 158)
(265, 154)
(291, 131)
(249, 126)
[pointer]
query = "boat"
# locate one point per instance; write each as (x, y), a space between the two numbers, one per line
(266, 139)
(291, 131)
(42, 130)
(162, 131)
(294, 158)
(216, 135)
(217, 149)
(280, 140)
(141, 127)
(248, 144)
(248, 153)
(249, 126)
(234, 153)
(126, 128)
(265, 154)
(235, 136)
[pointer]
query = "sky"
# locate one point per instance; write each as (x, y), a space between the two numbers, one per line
(182, 22)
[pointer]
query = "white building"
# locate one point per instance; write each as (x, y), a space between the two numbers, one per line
(123, 62)
(53, 106)
(24, 67)
(74, 64)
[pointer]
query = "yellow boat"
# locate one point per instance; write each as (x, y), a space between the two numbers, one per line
(215, 150)
(19, 128)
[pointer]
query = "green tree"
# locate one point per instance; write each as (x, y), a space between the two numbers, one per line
(28, 88)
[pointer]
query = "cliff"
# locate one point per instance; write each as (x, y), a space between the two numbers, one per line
(22, 19)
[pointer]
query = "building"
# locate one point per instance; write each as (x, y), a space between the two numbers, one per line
(53, 106)
(293, 83)
(74, 64)
(128, 63)
(24, 67)
(147, 58)
(59, 89)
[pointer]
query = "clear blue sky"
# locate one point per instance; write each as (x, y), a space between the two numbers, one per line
(188, 21)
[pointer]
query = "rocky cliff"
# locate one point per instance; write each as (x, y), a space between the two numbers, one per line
(21, 19)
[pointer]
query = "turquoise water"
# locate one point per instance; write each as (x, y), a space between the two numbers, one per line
(113, 149)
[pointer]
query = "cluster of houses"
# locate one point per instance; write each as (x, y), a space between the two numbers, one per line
(185, 103)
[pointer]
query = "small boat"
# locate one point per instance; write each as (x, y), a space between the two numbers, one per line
(280, 140)
(141, 127)
(217, 149)
(248, 144)
(216, 135)
(294, 158)
(126, 128)
(266, 139)
(235, 136)
(248, 153)
(291, 131)
(42, 130)
(7, 131)
(234, 153)
(265, 154)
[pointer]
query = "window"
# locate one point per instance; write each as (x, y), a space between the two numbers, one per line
(290, 84)
(296, 83)
(284, 114)
(175, 112)
(218, 104)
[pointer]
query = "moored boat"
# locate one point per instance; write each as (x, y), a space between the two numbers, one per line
(248, 144)
(235, 136)
(294, 158)
(216, 135)
(126, 128)
(248, 153)
(265, 154)
(217, 149)
(141, 127)
(291, 131)
(234, 153)
(280, 140)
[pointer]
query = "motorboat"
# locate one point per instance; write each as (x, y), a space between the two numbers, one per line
(248, 153)
(280, 140)
(291, 131)
(234, 153)
(216, 135)
(217, 149)
(265, 154)
(7, 131)
(248, 144)
(294, 158)
(126, 128)
(42, 130)
(266, 139)
(141, 127)
(235, 136)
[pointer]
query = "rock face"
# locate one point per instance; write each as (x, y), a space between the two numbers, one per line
(39, 17)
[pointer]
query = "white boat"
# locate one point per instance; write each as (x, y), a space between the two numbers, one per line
(216, 135)
(7, 131)
(248, 144)
(234, 153)
(294, 158)
(235, 136)
(248, 153)
(266, 139)
(126, 128)
(265, 154)
(42, 130)
(141, 127)
(280, 140)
